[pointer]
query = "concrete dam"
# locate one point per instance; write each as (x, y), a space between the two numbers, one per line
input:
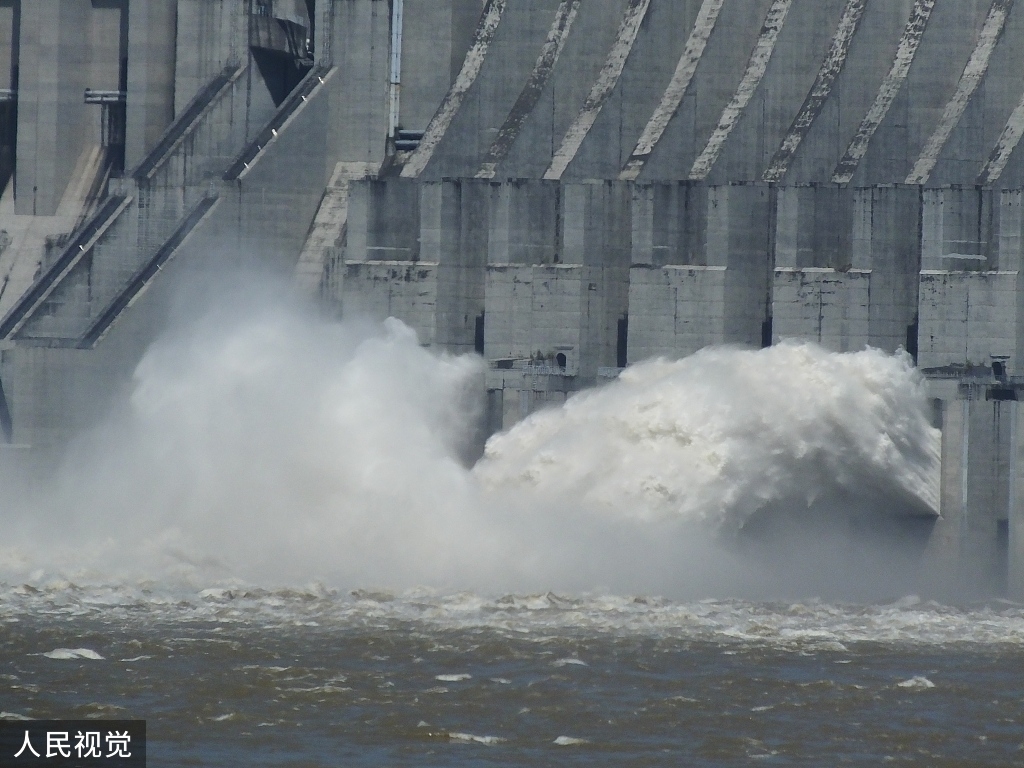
(562, 186)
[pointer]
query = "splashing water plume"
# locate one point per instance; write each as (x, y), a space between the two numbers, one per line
(283, 449)
(721, 435)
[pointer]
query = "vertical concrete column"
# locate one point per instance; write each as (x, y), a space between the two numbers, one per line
(1015, 544)
(433, 224)
(52, 117)
(440, 224)
(9, 24)
(642, 224)
(942, 557)
(932, 202)
(862, 228)
(885, 240)
(360, 46)
(435, 37)
(718, 235)
(985, 546)
(8, 43)
(575, 222)
(968, 555)
(358, 221)
(454, 222)
(210, 35)
(738, 224)
(787, 227)
(1010, 223)
(498, 228)
(152, 31)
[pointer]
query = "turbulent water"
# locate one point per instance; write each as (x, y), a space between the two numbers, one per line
(279, 551)
(306, 677)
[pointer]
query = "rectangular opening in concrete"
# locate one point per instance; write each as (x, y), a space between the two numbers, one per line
(10, 18)
(621, 342)
(281, 41)
(8, 138)
(6, 423)
(911, 345)
(1001, 394)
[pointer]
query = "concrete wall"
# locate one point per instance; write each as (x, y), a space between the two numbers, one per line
(210, 35)
(969, 319)
(435, 38)
(9, 29)
(846, 266)
(531, 265)
(152, 32)
(801, 91)
(969, 552)
(406, 290)
(359, 48)
(53, 124)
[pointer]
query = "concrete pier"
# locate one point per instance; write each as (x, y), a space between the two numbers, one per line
(975, 547)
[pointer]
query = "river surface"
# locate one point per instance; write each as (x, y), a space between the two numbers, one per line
(313, 677)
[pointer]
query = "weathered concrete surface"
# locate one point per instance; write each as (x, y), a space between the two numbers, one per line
(150, 81)
(969, 553)
(53, 126)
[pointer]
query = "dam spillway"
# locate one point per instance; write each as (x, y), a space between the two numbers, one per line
(564, 186)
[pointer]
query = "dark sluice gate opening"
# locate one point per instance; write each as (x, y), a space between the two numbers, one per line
(766, 333)
(280, 72)
(838, 548)
(6, 423)
(912, 339)
(8, 141)
(478, 334)
(621, 342)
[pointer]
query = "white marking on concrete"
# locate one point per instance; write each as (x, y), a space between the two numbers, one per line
(756, 67)
(318, 88)
(820, 91)
(328, 226)
(676, 91)
(549, 53)
(602, 89)
(971, 78)
(905, 52)
(1008, 141)
(474, 60)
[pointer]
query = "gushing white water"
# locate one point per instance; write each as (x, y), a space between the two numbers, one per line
(285, 449)
(725, 433)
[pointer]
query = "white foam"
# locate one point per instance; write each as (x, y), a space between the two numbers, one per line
(917, 682)
(570, 741)
(809, 626)
(453, 678)
(469, 738)
(73, 653)
(719, 435)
